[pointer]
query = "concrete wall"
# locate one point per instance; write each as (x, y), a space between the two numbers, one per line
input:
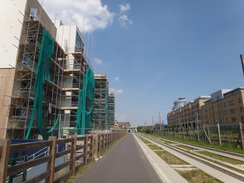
(11, 25)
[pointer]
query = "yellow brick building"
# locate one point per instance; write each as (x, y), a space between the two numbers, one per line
(226, 110)
(189, 114)
(225, 107)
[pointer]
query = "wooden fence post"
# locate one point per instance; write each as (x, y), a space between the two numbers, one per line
(52, 152)
(183, 132)
(240, 137)
(241, 134)
(73, 154)
(220, 143)
(207, 135)
(86, 153)
(95, 146)
(189, 132)
(198, 138)
(4, 160)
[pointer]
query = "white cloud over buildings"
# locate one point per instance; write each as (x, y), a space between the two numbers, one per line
(89, 15)
(116, 91)
(116, 79)
(97, 61)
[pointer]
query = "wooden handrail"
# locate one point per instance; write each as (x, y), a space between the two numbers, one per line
(78, 148)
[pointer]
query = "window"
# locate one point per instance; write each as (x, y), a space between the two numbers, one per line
(239, 100)
(79, 45)
(231, 102)
(233, 119)
(224, 105)
(232, 111)
(241, 109)
(33, 14)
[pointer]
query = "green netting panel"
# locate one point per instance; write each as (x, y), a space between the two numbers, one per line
(42, 75)
(85, 107)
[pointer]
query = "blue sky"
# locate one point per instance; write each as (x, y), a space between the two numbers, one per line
(154, 52)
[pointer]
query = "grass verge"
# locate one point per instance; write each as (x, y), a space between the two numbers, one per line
(166, 156)
(204, 144)
(198, 176)
(222, 158)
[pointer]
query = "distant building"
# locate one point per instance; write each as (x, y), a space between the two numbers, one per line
(101, 102)
(179, 103)
(124, 125)
(111, 110)
(225, 107)
(116, 125)
(187, 115)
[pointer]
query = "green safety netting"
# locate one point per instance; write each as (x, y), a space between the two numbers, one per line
(42, 75)
(85, 106)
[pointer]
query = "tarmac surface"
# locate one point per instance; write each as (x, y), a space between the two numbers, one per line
(123, 163)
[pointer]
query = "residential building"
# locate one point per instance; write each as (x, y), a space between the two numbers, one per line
(48, 82)
(187, 115)
(124, 125)
(225, 107)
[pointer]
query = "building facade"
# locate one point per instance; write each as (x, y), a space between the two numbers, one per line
(48, 82)
(101, 101)
(189, 114)
(225, 107)
(111, 110)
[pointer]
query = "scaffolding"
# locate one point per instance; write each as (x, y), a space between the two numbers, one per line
(60, 91)
(101, 99)
(111, 110)
(23, 98)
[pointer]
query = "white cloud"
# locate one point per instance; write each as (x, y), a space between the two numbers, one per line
(116, 91)
(116, 78)
(124, 20)
(97, 61)
(120, 117)
(124, 7)
(88, 15)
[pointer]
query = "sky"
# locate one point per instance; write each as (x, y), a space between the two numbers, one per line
(157, 51)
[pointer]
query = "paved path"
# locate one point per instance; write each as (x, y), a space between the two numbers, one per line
(123, 163)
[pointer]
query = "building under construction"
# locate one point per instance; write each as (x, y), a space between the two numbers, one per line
(101, 98)
(111, 109)
(47, 83)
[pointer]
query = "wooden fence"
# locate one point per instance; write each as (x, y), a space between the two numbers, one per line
(78, 152)
(216, 134)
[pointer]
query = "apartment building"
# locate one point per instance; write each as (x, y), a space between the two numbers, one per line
(224, 107)
(187, 115)
(47, 83)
